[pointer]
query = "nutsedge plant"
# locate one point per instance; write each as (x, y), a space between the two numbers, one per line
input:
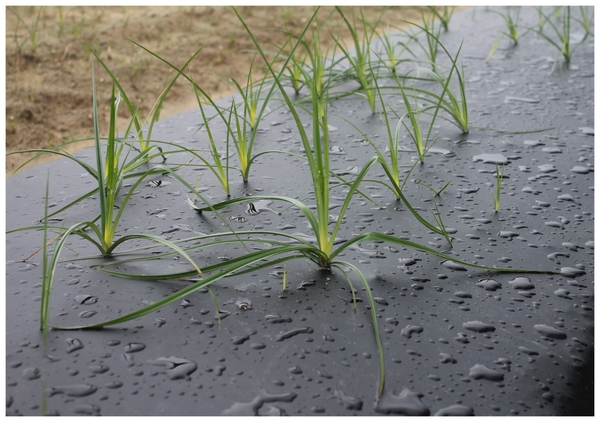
(220, 171)
(512, 30)
(362, 49)
(251, 95)
(498, 191)
(144, 138)
(244, 144)
(444, 14)
(392, 168)
(454, 105)
(561, 31)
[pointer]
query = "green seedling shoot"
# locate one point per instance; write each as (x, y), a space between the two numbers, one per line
(497, 193)
(562, 33)
(512, 30)
(362, 49)
(444, 15)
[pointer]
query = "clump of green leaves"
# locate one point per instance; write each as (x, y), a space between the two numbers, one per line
(560, 34)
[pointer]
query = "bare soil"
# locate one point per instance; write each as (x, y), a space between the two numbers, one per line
(48, 61)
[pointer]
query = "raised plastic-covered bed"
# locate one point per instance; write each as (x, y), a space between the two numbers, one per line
(455, 340)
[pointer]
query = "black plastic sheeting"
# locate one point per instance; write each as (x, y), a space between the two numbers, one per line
(457, 341)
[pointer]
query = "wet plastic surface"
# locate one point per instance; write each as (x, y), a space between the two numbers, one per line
(457, 341)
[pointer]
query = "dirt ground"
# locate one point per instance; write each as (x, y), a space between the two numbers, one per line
(48, 61)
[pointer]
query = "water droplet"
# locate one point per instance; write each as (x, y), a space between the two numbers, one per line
(550, 332)
(288, 334)
(254, 208)
(531, 143)
(554, 224)
(87, 409)
(86, 299)
(237, 340)
(552, 150)
(87, 314)
(507, 234)
(380, 301)
(406, 403)
(564, 293)
(491, 159)
(74, 344)
(479, 327)
(98, 369)
(276, 319)
(521, 283)
(483, 372)
(454, 266)
(176, 368)
(520, 100)
(31, 373)
(134, 347)
(185, 304)
(456, 410)
(491, 285)
(257, 346)
(409, 330)
(221, 314)
(527, 351)
(446, 358)
(350, 403)
(295, 370)
(336, 150)
(571, 272)
(547, 168)
(78, 390)
(568, 198)
(252, 408)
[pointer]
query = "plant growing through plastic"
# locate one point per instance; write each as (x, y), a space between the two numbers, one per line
(362, 50)
(562, 33)
(444, 14)
(498, 191)
(512, 30)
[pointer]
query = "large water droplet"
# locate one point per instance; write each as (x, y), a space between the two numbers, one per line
(73, 345)
(177, 368)
(479, 371)
(79, 390)
(252, 408)
(134, 347)
(31, 373)
(571, 272)
(521, 283)
(406, 403)
(86, 299)
(491, 159)
(350, 403)
(456, 410)
(288, 334)
(454, 266)
(87, 314)
(550, 332)
(491, 285)
(409, 330)
(479, 327)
